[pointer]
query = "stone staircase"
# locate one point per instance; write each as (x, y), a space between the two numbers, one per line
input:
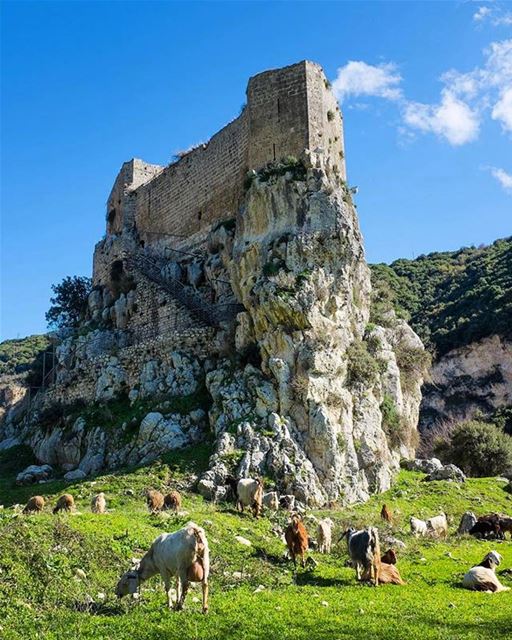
(214, 315)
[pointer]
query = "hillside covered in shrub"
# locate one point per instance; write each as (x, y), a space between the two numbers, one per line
(17, 355)
(450, 298)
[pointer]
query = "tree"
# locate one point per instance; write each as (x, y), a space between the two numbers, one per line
(69, 304)
(478, 448)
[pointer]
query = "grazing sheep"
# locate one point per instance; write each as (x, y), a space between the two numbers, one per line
(438, 526)
(364, 552)
(249, 493)
(270, 500)
(183, 554)
(34, 505)
(388, 574)
(65, 503)
(154, 500)
(483, 576)
(324, 535)
(386, 514)
(418, 527)
(99, 504)
(389, 557)
(172, 501)
(296, 537)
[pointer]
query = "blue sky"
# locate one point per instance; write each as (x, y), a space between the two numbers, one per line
(426, 90)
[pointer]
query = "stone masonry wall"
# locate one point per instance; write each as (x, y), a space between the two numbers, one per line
(199, 342)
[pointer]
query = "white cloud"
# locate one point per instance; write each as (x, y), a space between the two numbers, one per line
(502, 110)
(451, 119)
(357, 78)
(481, 14)
(466, 98)
(504, 178)
(494, 14)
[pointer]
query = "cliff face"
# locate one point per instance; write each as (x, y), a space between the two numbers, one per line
(301, 388)
(329, 412)
(475, 378)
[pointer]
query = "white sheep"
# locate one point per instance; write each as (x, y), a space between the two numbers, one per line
(99, 504)
(324, 535)
(418, 527)
(183, 554)
(437, 526)
(270, 500)
(483, 577)
(249, 493)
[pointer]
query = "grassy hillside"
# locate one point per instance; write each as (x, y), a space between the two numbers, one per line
(41, 596)
(451, 298)
(17, 356)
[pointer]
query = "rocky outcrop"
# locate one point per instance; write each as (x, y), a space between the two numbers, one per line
(475, 379)
(313, 396)
(328, 413)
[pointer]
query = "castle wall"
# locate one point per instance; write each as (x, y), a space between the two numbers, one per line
(278, 114)
(198, 342)
(205, 186)
(288, 110)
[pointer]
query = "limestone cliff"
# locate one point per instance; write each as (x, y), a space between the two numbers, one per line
(475, 378)
(329, 414)
(301, 387)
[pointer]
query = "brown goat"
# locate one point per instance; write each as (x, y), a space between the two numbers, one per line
(65, 503)
(296, 537)
(172, 501)
(34, 505)
(386, 514)
(389, 557)
(154, 500)
(388, 574)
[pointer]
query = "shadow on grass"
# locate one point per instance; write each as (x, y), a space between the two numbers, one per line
(189, 460)
(272, 558)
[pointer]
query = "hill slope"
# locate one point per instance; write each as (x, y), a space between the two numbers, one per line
(453, 298)
(40, 595)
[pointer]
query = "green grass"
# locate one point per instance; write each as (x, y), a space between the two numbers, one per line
(40, 597)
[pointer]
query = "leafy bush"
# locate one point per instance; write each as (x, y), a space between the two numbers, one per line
(69, 304)
(392, 423)
(363, 368)
(478, 448)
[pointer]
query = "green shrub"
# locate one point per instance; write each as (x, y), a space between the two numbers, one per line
(478, 448)
(363, 368)
(273, 268)
(413, 362)
(69, 303)
(392, 423)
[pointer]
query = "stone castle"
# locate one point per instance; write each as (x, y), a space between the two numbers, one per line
(235, 277)
(161, 209)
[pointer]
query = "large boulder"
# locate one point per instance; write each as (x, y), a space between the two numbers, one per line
(76, 474)
(425, 465)
(449, 472)
(34, 473)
